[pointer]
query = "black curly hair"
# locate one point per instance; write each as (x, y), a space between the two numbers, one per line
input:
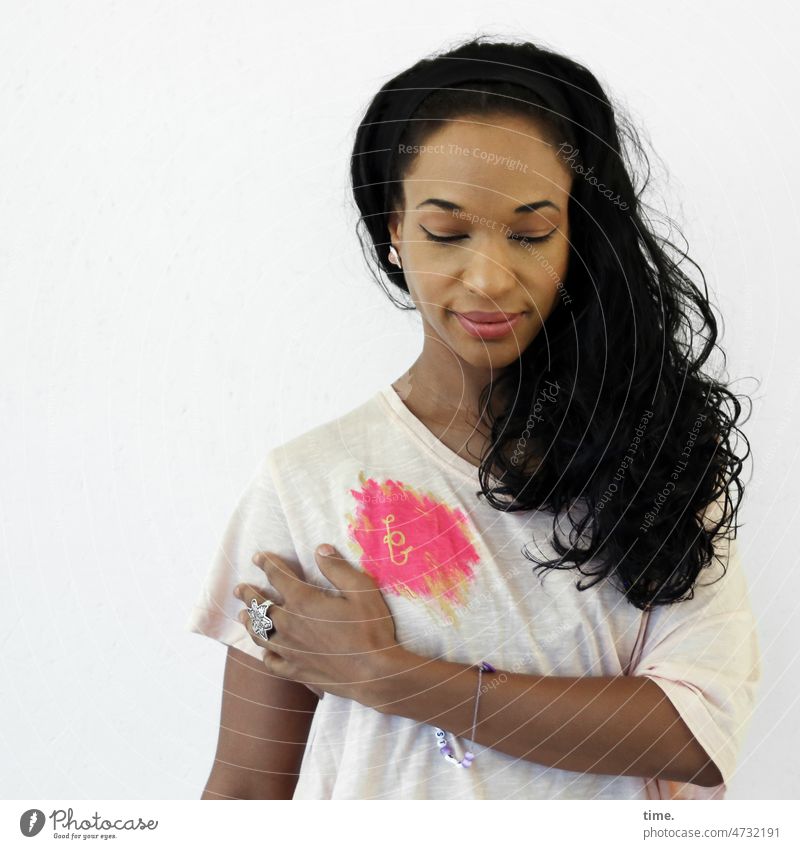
(638, 447)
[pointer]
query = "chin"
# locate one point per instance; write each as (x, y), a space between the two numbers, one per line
(494, 356)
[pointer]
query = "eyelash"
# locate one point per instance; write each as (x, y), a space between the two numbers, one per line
(523, 240)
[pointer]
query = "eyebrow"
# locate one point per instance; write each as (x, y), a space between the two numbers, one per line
(454, 207)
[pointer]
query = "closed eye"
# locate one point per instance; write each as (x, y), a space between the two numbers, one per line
(523, 240)
(435, 238)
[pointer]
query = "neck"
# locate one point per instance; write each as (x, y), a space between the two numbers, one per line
(445, 391)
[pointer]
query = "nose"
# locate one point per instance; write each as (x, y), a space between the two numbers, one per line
(488, 273)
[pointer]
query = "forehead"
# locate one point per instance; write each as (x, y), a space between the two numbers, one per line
(498, 159)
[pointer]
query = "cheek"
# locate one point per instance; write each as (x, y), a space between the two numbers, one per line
(549, 272)
(427, 288)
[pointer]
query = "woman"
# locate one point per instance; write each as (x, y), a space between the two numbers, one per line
(535, 589)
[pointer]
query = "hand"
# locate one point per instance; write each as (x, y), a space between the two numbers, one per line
(334, 639)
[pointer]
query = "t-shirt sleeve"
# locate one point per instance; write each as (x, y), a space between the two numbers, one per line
(704, 654)
(258, 523)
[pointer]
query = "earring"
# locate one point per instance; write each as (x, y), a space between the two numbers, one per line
(394, 257)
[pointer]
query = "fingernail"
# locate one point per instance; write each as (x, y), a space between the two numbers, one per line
(326, 550)
(258, 558)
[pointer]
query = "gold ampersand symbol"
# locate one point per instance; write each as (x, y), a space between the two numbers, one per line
(397, 538)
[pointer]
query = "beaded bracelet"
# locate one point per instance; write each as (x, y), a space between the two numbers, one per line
(441, 741)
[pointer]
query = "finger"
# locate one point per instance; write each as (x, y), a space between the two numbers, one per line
(341, 573)
(254, 597)
(279, 666)
(246, 619)
(274, 660)
(279, 574)
(248, 592)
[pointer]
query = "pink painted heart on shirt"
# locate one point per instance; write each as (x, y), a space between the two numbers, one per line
(413, 544)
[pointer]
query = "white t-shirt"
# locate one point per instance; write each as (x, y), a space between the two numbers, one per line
(378, 485)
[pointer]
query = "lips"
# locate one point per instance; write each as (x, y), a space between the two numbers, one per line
(489, 317)
(500, 325)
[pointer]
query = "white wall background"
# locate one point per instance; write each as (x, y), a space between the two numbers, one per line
(182, 289)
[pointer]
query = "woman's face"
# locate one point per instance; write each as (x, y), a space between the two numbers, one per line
(484, 183)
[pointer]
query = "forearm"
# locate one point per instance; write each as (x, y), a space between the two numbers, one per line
(608, 725)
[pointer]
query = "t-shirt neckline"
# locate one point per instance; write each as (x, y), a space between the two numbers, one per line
(388, 394)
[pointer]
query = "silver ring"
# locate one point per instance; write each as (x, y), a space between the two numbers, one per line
(262, 624)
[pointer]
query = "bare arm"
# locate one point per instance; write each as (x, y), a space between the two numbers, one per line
(264, 727)
(609, 725)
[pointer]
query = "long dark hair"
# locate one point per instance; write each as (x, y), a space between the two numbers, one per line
(610, 419)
